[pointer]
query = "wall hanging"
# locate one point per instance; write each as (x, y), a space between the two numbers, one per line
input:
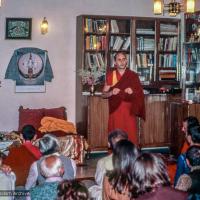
(18, 28)
(30, 68)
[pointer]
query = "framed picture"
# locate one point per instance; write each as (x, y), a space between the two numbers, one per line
(18, 28)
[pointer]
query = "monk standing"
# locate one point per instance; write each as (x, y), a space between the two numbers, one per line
(126, 98)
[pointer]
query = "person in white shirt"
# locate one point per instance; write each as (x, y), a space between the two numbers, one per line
(49, 145)
(105, 163)
(7, 182)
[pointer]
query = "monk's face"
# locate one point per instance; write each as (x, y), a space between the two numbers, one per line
(121, 61)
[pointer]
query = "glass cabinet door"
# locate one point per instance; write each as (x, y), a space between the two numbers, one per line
(192, 71)
(145, 50)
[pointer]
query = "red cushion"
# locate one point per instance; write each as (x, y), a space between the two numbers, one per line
(55, 112)
(30, 116)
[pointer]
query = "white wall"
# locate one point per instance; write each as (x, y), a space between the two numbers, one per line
(60, 43)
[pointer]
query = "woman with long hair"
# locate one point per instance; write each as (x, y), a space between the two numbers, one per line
(118, 183)
(152, 181)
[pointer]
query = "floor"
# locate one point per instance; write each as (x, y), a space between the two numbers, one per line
(87, 171)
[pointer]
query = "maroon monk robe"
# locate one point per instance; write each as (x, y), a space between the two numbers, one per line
(123, 107)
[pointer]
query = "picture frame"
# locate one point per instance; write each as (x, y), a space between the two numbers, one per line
(18, 28)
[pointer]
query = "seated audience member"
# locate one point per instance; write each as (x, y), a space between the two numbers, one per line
(21, 157)
(105, 164)
(151, 181)
(118, 183)
(49, 145)
(72, 190)
(7, 180)
(193, 138)
(188, 122)
(52, 169)
(191, 182)
(28, 136)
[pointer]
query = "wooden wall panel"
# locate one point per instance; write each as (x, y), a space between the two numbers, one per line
(177, 112)
(97, 123)
(153, 130)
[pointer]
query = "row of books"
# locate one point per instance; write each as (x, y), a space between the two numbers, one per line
(144, 31)
(168, 28)
(167, 60)
(114, 26)
(145, 75)
(95, 25)
(93, 42)
(146, 44)
(144, 60)
(193, 55)
(168, 44)
(120, 43)
(167, 75)
(94, 59)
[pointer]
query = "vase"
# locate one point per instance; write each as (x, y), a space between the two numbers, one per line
(92, 90)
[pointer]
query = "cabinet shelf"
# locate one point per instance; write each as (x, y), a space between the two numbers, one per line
(93, 33)
(167, 52)
(94, 51)
(138, 33)
(145, 51)
(120, 34)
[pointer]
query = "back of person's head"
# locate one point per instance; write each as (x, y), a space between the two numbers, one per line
(115, 136)
(51, 166)
(124, 155)
(28, 132)
(48, 144)
(194, 133)
(72, 190)
(193, 155)
(191, 120)
(149, 171)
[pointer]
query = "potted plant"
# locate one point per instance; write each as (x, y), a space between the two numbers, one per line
(92, 76)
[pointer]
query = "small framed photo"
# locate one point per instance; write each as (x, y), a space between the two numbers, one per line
(18, 28)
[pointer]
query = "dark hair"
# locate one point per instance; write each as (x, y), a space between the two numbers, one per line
(149, 171)
(123, 53)
(124, 156)
(72, 190)
(194, 132)
(28, 132)
(193, 155)
(191, 121)
(117, 133)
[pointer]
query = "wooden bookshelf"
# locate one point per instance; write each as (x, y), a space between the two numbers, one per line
(152, 52)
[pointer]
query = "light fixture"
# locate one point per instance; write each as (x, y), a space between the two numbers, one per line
(173, 7)
(44, 26)
(0, 3)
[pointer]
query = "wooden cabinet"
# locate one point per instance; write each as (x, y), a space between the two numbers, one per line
(191, 67)
(152, 46)
(97, 133)
(192, 26)
(162, 127)
(153, 132)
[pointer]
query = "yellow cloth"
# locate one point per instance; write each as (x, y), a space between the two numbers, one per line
(114, 78)
(49, 124)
